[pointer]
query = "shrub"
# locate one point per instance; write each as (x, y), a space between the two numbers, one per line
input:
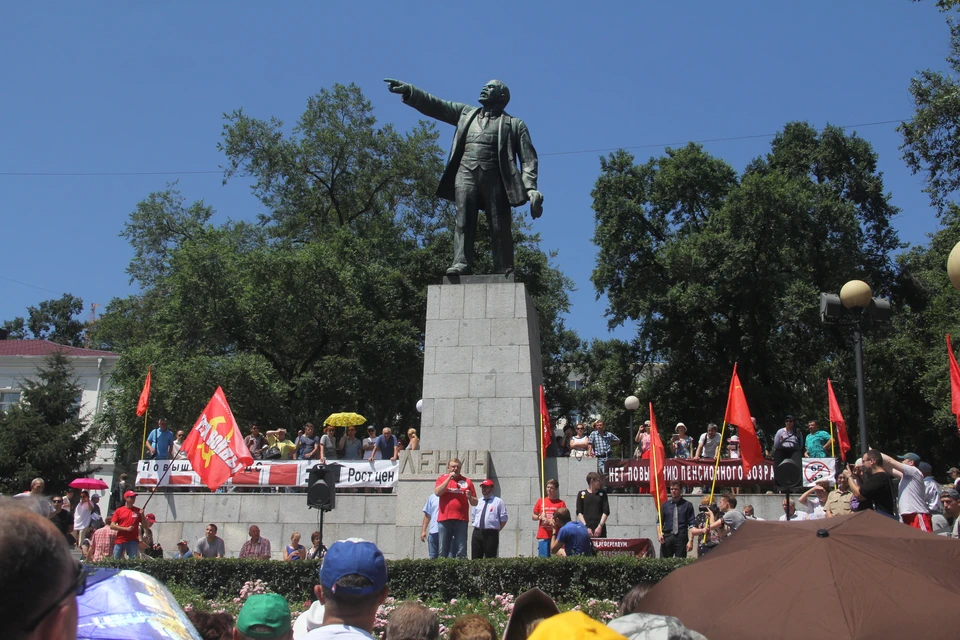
(570, 579)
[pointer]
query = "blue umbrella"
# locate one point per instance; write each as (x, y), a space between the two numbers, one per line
(121, 604)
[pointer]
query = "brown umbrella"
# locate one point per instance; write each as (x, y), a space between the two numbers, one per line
(858, 576)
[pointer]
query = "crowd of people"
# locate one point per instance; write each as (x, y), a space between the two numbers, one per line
(275, 444)
(900, 487)
(596, 441)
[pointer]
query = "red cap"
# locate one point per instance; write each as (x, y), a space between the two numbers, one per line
(487, 483)
(151, 517)
(129, 494)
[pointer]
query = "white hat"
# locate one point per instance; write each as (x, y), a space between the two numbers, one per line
(679, 424)
(309, 620)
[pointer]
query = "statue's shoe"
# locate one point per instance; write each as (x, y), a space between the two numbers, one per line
(456, 270)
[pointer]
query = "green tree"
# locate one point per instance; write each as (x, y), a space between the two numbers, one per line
(609, 370)
(718, 268)
(906, 366)
(931, 139)
(43, 436)
(53, 320)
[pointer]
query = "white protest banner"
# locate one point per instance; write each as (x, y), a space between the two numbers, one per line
(271, 473)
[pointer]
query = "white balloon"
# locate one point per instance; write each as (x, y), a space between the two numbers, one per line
(420, 406)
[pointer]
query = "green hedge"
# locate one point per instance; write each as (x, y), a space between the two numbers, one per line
(562, 578)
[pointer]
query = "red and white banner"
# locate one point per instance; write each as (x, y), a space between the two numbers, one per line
(639, 547)
(636, 473)
(272, 473)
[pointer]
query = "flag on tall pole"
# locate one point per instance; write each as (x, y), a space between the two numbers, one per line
(738, 413)
(837, 418)
(657, 476)
(215, 446)
(954, 383)
(546, 434)
(144, 402)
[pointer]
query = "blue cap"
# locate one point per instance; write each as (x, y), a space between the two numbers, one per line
(353, 556)
(909, 456)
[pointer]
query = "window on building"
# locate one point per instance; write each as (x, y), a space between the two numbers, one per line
(8, 399)
(576, 385)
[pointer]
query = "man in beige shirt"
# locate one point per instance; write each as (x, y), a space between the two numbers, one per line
(838, 500)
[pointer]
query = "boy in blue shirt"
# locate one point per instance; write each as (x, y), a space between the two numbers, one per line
(571, 537)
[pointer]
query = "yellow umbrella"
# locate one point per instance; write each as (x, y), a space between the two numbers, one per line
(346, 419)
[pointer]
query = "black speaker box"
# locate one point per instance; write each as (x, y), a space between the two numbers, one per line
(322, 486)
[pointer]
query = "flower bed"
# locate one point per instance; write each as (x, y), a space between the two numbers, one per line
(497, 608)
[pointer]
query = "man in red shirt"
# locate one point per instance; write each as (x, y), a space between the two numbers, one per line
(126, 522)
(456, 495)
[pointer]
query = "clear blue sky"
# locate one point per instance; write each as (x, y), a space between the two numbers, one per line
(141, 87)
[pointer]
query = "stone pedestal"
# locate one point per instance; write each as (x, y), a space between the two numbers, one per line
(481, 370)
(481, 379)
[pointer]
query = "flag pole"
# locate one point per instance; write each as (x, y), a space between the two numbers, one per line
(833, 453)
(160, 479)
(656, 479)
(146, 412)
(716, 467)
(543, 473)
(143, 443)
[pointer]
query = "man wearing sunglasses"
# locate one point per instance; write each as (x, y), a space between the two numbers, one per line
(41, 581)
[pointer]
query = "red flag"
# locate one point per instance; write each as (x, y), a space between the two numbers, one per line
(144, 400)
(546, 433)
(738, 413)
(657, 478)
(837, 418)
(954, 383)
(215, 447)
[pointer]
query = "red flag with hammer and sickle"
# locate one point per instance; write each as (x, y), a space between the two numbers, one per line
(215, 447)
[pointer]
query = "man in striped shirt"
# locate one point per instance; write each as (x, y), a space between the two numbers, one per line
(257, 547)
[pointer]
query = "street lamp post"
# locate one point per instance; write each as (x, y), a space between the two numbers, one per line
(854, 305)
(632, 403)
(857, 296)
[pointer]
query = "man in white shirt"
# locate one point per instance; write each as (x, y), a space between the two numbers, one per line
(430, 529)
(814, 499)
(370, 444)
(488, 518)
(794, 514)
(353, 585)
(911, 498)
(749, 513)
(709, 443)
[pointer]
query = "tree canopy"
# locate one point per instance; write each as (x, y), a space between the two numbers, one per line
(53, 320)
(718, 268)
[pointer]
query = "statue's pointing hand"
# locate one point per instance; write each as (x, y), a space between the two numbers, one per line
(536, 203)
(395, 86)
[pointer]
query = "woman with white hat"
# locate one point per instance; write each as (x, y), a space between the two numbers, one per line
(681, 444)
